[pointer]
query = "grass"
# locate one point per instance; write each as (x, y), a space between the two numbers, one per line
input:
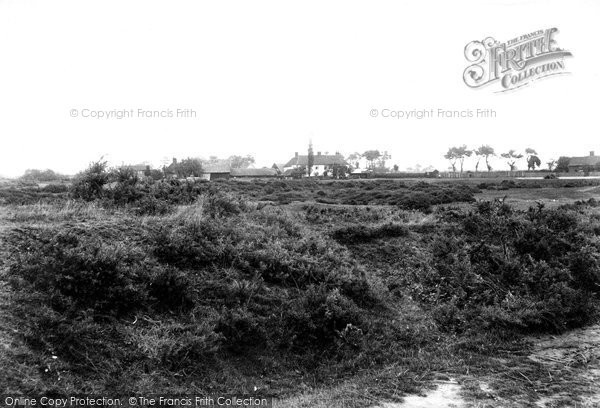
(396, 345)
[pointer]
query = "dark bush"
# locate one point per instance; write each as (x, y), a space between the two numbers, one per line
(89, 184)
(505, 269)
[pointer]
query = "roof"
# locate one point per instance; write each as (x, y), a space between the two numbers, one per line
(584, 161)
(216, 168)
(320, 160)
(278, 166)
(136, 167)
(264, 172)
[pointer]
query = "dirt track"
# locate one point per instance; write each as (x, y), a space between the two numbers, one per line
(572, 363)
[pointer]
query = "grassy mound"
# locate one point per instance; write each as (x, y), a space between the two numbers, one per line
(220, 285)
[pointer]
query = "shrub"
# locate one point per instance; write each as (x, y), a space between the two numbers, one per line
(81, 273)
(89, 184)
(498, 268)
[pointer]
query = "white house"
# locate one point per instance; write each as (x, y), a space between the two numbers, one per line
(323, 163)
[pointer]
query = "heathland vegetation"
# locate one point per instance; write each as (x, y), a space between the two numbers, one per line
(125, 284)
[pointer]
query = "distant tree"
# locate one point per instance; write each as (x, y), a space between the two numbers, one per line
(452, 158)
(562, 164)
(486, 152)
(532, 159)
(551, 163)
(511, 158)
(339, 171)
(353, 159)
(187, 168)
(298, 172)
(458, 153)
(311, 158)
(42, 175)
(396, 168)
(381, 161)
(371, 156)
(241, 162)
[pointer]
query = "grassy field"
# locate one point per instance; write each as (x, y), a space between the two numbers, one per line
(319, 293)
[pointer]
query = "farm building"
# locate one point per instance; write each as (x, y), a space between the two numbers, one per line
(254, 173)
(217, 171)
(323, 163)
(584, 163)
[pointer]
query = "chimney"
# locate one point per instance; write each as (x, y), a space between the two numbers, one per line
(592, 153)
(174, 160)
(318, 153)
(296, 155)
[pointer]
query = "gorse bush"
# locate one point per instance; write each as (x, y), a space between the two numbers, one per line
(89, 184)
(220, 279)
(498, 268)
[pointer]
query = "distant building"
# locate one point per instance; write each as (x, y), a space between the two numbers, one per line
(216, 171)
(323, 163)
(140, 169)
(279, 167)
(584, 163)
(254, 173)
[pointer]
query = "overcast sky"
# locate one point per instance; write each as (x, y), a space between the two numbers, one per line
(265, 76)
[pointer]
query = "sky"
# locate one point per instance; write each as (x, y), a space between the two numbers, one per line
(265, 77)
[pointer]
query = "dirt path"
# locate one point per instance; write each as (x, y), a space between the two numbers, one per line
(446, 395)
(577, 353)
(570, 361)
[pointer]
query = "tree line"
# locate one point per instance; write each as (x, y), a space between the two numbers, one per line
(457, 155)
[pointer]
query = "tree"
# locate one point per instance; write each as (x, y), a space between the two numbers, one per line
(339, 171)
(241, 162)
(511, 158)
(41, 175)
(353, 159)
(381, 161)
(486, 152)
(371, 156)
(187, 168)
(298, 172)
(396, 168)
(562, 164)
(551, 163)
(452, 158)
(311, 158)
(532, 159)
(459, 154)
